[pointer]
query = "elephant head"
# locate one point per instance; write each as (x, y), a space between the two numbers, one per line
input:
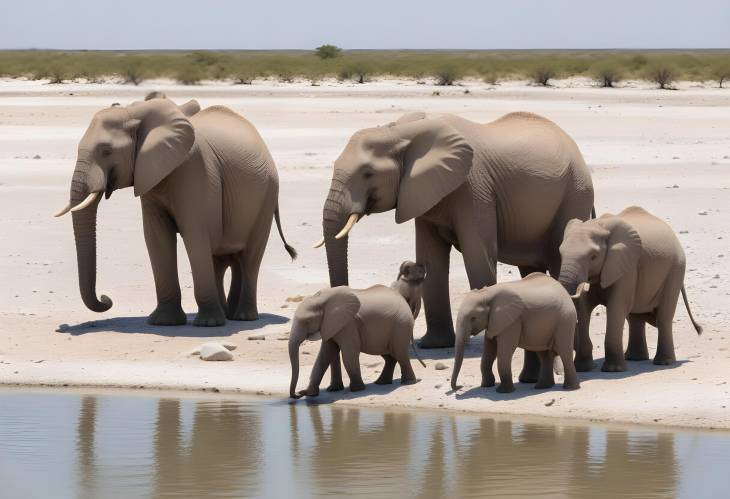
(412, 271)
(599, 250)
(322, 315)
(492, 309)
(409, 166)
(137, 145)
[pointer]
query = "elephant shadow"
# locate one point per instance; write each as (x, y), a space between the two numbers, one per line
(138, 325)
(474, 348)
(523, 390)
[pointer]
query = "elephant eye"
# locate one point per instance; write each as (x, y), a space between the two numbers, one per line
(106, 152)
(367, 174)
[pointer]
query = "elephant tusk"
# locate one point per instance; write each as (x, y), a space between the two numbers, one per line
(319, 243)
(86, 202)
(348, 226)
(582, 288)
(64, 210)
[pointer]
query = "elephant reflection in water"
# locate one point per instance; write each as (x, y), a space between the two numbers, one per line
(349, 447)
(224, 437)
(544, 461)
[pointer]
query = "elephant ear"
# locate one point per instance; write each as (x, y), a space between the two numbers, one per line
(504, 310)
(164, 139)
(436, 160)
(340, 307)
(623, 249)
(190, 108)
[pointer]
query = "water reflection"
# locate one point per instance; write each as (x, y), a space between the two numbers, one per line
(169, 447)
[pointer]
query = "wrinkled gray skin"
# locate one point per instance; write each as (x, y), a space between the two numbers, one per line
(409, 284)
(534, 313)
(635, 265)
(375, 321)
(498, 191)
(206, 175)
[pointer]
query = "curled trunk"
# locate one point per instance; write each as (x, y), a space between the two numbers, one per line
(84, 224)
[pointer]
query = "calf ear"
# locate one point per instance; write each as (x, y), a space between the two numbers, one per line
(504, 310)
(339, 308)
(436, 160)
(164, 139)
(190, 108)
(623, 250)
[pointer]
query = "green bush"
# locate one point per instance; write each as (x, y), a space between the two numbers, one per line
(661, 74)
(132, 71)
(447, 74)
(542, 75)
(190, 75)
(327, 51)
(722, 74)
(607, 74)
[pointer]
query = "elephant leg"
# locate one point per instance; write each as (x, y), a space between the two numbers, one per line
(336, 383)
(250, 264)
(488, 356)
(506, 345)
(348, 339)
(160, 235)
(531, 363)
(234, 292)
(637, 349)
(386, 375)
(401, 344)
(210, 311)
(434, 252)
(220, 264)
(664, 316)
(319, 368)
(570, 377)
(615, 318)
(546, 379)
(582, 339)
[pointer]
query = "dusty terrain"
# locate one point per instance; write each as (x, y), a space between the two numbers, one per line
(668, 151)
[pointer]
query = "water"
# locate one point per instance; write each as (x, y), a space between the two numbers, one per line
(75, 445)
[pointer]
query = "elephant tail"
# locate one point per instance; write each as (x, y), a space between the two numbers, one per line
(698, 328)
(289, 249)
(415, 353)
(593, 211)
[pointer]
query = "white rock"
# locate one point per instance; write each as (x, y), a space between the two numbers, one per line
(215, 351)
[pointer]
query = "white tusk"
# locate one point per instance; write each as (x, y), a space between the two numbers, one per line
(319, 243)
(64, 210)
(348, 226)
(86, 202)
(582, 288)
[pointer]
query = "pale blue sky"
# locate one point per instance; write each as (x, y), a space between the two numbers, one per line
(365, 24)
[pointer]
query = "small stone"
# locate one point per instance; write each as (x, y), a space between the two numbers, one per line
(684, 232)
(230, 346)
(440, 366)
(215, 352)
(437, 386)
(675, 186)
(37, 156)
(295, 299)
(256, 337)
(702, 213)
(548, 404)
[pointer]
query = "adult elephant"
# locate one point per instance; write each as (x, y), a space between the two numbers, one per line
(204, 174)
(498, 191)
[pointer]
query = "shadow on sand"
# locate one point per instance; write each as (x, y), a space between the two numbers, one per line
(138, 325)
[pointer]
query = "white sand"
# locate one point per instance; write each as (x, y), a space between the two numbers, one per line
(639, 142)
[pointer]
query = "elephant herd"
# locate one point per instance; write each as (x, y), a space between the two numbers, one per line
(515, 190)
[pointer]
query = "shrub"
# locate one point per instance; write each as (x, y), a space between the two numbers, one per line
(132, 71)
(490, 77)
(327, 51)
(662, 75)
(722, 74)
(542, 75)
(56, 74)
(447, 74)
(607, 74)
(190, 75)
(358, 71)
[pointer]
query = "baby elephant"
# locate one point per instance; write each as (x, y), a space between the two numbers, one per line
(639, 264)
(409, 284)
(535, 313)
(375, 321)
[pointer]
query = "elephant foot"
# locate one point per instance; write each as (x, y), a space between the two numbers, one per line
(167, 315)
(309, 392)
(488, 382)
(409, 381)
(527, 376)
(664, 360)
(434, 340)
(210, 317)
(571, 386)
(384, 380)
(357, 386)
(542, 385)
(244, 315)
(506, 387)
(636, 355)
(585, 364)
(613, 366)
(336, 387)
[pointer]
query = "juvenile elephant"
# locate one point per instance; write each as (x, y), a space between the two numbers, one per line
(409, 284)
(204, 174)
(376, 321)
(635, 264)
(498, 191)
(535, 313)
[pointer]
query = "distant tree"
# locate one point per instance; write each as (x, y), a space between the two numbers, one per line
(132, 71)
(358, 71)
(327, 51)
(606, 74)
(542, 75)
(447, 74)
(662, 75)
(722, 74)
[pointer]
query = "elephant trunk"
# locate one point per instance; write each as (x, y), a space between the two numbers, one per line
(461, 337)
(570, 277)
(84, 224)
(334, 217)
(296, 338)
